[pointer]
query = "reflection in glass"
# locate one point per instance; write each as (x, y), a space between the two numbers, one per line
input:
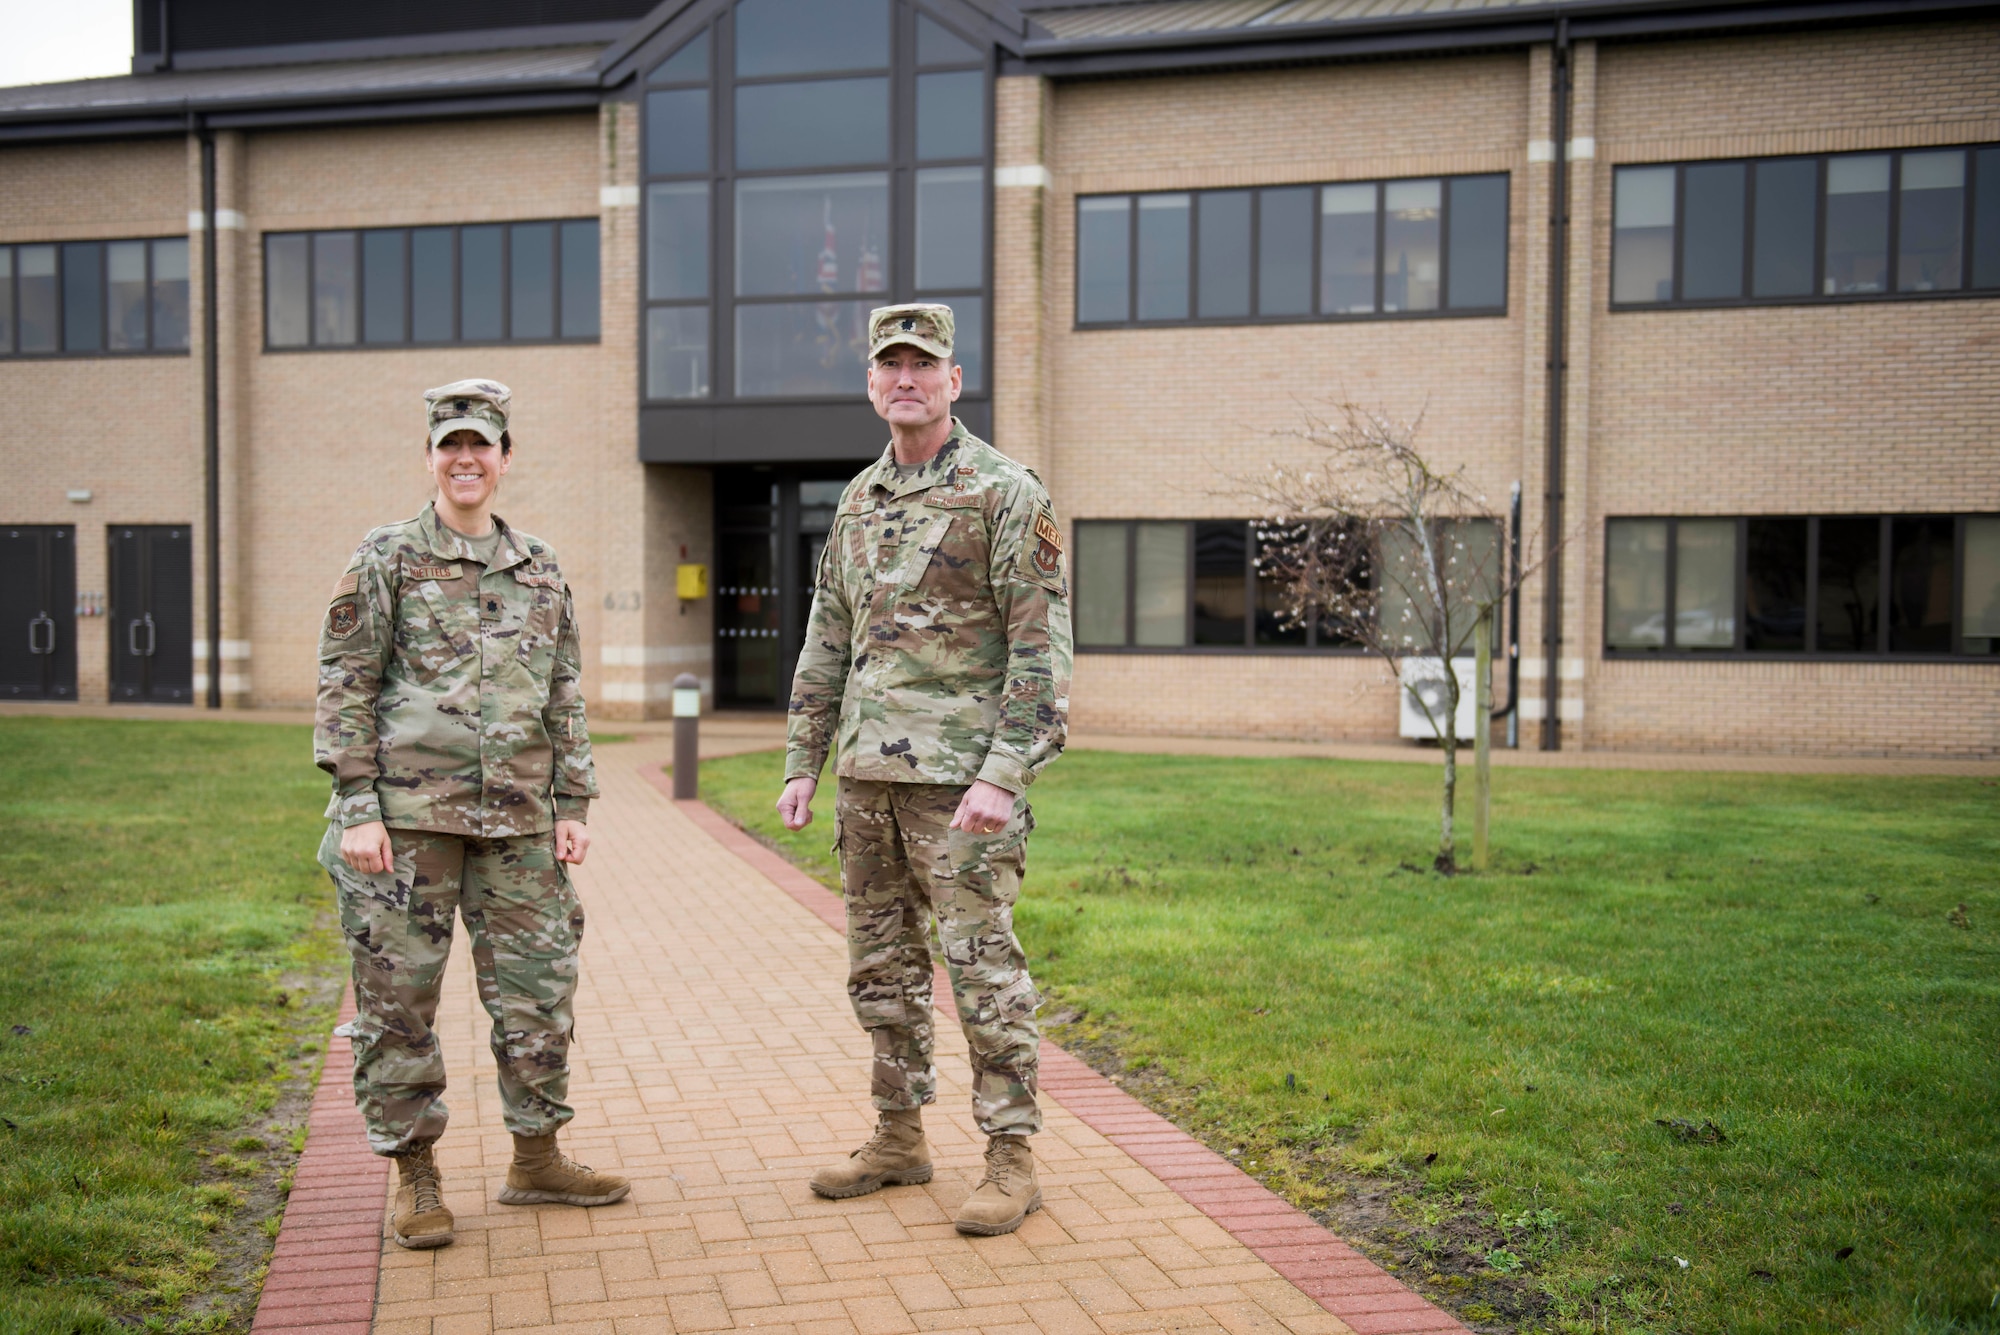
(1857, 224)
(951, 115)
(1781, 262)
(1705, 584)
(1160, 585)
(1712, 231)
(951, 227)
(83, 296)
(336, 283)
(802, 349)
(677, 240)
(6, 299)
(746, 611)
(1284, 251)
(1104, 259)
(531, 306)
(1223, 268)
(939, 45)
(1347, 249)
(1930, 240)
(1271, 624)
(1635, 584)
(1477, 244)
(432, 299)
(1100, 574)
(1163, 257)
(382, 301)
(35, 280)
(1850, 595)
(969, 339)
(1986, 218)
(687, 65)
(170, 292)
(1979, 588)
(579, 279)
(287, 292)
(1774, 586)
(1410, 235)
(811, 36)
(1642, 256)
(125, 291)
(1920, 585)
(1221, 551)
(677, 352)
(800, 234)
(479, 284)
(822, 123)
(677, 132)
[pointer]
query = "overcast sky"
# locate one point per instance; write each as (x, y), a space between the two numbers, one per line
(44, 40)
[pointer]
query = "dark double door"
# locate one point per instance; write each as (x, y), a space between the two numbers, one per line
(38, 612)
(152, 613)
(770, 527)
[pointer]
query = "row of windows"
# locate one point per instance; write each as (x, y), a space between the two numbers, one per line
(1832, 584)
(1843, 227)
(780, 208)
(83, 297)
(486, 283)
(1357, 249)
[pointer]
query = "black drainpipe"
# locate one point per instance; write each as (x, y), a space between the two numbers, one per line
(166, 61)
(210, 407)
(1558, 362)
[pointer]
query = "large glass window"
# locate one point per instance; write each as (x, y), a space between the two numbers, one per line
(529, 282)
(1379, 248)
(1846, 226)
(1836, 584)
(88, 298)
(765, 253)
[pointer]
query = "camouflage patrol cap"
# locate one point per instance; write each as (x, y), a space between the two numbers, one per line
(468, 405)
(921, 324)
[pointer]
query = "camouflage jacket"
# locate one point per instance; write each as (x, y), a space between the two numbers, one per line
(448, 695)
(939, 637)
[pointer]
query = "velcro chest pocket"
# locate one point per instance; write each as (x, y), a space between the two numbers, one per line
(924, 551)
(435, 626)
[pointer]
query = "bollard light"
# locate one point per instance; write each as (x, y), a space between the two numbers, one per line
(687, 736)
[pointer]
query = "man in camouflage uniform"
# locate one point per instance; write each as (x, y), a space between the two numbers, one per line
(450, 714)
(938, 651)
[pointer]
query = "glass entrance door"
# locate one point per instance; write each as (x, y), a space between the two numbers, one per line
(770, 527)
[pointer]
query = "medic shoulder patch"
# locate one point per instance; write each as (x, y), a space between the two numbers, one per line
(1046, 530)
(1047, 556)
(343, 618)
(346, 584)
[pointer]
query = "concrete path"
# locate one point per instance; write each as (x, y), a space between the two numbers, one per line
(718, 1063)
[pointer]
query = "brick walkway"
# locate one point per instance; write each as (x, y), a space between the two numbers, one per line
(718, 1063)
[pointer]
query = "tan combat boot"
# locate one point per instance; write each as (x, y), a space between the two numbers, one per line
(896, 1155)
(421, 1220)
(1008, 1195)
(541, 1174)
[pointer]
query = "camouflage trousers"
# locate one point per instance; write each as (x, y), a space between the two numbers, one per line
(526, 925)
(904, 870)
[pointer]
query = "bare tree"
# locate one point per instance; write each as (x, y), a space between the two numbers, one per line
(1389, 552)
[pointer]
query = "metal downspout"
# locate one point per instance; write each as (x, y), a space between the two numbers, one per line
(211, 426)
(1557, 364)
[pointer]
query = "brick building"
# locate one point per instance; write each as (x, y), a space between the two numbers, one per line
(1752, 371)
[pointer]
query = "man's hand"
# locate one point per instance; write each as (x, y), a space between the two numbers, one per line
(572, 841)
(985, 809)
(795, 803)
(366, 848)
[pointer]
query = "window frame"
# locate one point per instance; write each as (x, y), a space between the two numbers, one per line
(13, 352)
(1315, 279)
(361, 342)
(1818, 296)
(1669, 652)
(901, 166)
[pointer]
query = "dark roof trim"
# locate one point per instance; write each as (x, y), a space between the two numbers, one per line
(1448, 31)
(126, 127)
(371, 48)
(433, 109)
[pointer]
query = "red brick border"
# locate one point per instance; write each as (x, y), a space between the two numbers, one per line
(1291, 1242)
(329, 1252)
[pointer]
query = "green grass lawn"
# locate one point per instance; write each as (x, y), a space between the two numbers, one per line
(170, 964)
(1471, 1071)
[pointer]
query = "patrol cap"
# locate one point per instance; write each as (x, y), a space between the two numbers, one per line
(921, 324)
(468, 405)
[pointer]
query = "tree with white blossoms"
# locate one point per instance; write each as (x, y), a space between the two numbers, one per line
(1389, 552)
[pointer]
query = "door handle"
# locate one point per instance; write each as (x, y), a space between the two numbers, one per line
(35, 647)
(152, 635)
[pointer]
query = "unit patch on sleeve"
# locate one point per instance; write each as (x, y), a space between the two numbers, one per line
(1048, 547)
(343, 618)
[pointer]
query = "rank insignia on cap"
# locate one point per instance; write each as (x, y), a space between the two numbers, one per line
(463, 404)
(909, 325)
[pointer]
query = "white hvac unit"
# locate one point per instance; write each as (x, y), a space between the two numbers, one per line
(1425, 677)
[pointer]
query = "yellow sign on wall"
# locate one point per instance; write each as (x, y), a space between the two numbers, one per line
(691, 581)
